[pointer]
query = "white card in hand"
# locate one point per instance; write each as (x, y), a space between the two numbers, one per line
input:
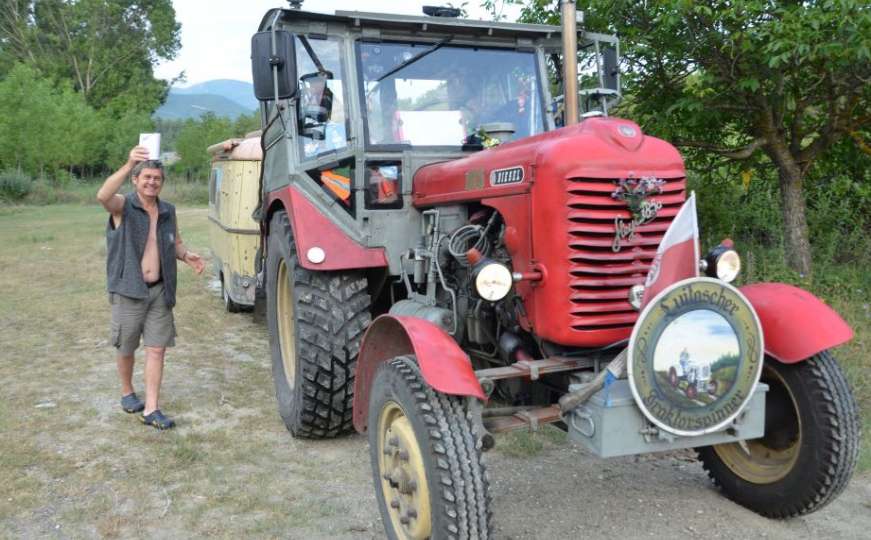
(152, 142)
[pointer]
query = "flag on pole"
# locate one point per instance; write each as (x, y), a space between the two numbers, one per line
(677, 257)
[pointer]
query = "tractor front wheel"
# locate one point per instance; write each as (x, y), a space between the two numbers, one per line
(316, 321)
(428, 474)
(809, 449)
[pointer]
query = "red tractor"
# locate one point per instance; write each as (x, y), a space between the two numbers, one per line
(442, 259)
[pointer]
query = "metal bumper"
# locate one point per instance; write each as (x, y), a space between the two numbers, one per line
(610, 424)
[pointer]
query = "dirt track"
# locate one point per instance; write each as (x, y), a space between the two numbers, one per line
(72, 465)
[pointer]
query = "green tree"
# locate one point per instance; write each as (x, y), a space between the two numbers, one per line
(195, 137)
(773, 80)
(26, 117)
(44, 128)
(106, 48)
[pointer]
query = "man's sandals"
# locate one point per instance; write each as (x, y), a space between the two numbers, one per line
(131, 403)
(157, 419)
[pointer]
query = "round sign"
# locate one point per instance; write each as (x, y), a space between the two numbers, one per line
(695, 356)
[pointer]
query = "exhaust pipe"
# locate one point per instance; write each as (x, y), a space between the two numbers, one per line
(570, 61)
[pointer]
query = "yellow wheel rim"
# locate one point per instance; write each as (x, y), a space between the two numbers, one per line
(286, 338)
(403, 477)
(771, 458)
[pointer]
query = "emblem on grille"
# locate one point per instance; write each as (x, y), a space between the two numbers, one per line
(511, 175)
(635, 192)
(695, 356)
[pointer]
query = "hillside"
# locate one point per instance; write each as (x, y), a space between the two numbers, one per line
(239, 91)
(183, 106)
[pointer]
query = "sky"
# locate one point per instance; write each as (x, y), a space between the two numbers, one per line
(216, 34)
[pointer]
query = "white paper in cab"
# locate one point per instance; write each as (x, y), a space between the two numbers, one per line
(152, 142)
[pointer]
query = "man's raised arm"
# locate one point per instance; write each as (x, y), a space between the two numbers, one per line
(108, 194)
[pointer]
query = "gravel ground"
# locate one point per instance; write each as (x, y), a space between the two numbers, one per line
(72, 465)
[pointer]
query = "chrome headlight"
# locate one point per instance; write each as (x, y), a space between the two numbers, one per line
(493, 281)
(723, 262)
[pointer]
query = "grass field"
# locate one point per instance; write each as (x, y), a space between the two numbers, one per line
(73, 465)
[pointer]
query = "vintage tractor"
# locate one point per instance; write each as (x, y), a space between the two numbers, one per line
(696, 375)
(443, 261)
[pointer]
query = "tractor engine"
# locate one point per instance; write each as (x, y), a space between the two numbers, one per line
(553, 240)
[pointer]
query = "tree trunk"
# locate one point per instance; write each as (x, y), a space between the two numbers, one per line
(795, 231)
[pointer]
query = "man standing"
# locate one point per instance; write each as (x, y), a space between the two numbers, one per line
(142, 247)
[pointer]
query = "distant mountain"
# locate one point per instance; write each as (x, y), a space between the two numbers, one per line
(239, 91)
(223, 97)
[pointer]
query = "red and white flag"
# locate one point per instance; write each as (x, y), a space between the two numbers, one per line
(677, 257)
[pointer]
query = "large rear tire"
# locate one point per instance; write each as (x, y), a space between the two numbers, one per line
(810, 447)
(316, 321)
(428, 474)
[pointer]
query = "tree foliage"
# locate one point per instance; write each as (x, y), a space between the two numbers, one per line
(105, 48)
(76, 81)
(775, 82)
(196, 135)
(46, 128)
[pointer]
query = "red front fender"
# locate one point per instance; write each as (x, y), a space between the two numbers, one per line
(795, 323)
(443, 364)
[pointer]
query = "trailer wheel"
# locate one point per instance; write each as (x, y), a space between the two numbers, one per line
(809, 449)
(229, 304)
(428, 474)
(316, 321)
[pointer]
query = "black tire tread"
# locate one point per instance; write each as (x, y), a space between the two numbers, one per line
(451, 440)
(332, 313)
(835, 408)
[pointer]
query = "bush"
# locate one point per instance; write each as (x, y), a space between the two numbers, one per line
(14, 185)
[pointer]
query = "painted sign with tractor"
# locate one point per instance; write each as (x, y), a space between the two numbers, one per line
(445, 257)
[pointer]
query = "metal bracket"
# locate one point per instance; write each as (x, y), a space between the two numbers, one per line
(530, 419)
(529, 366)
(483, 438)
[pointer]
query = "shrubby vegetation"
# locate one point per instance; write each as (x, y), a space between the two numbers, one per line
(76, 89)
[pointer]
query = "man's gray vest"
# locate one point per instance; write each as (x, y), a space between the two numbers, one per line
(125, 245)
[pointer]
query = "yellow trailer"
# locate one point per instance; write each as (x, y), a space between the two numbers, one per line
(233, 233)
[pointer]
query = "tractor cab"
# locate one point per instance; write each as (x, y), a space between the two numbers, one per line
(355, 103)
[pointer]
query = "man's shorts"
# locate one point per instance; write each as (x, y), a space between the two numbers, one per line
(149, 319)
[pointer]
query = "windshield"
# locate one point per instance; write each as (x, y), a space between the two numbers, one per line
(434, 94)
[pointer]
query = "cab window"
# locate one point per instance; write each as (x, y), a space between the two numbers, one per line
(322, 107)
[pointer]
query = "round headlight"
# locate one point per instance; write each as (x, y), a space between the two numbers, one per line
(493, 281)
(728, 265)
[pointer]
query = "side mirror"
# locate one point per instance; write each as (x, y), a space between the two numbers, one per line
(263, 62)
(611, 71)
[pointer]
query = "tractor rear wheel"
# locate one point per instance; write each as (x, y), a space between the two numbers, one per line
(809, 449)
(316, 321)
(427, 469)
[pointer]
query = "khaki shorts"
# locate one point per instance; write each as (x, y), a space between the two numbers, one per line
(149, 319)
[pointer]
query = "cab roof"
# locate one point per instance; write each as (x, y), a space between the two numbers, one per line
(415, 24)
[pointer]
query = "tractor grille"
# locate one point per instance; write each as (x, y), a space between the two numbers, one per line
(600, 279)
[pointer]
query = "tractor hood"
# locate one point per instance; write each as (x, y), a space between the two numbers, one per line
(595, 148)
